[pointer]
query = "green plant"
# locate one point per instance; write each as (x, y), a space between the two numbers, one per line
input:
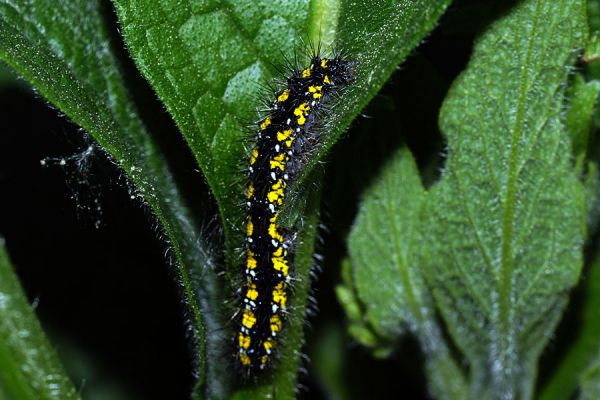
(477, 264)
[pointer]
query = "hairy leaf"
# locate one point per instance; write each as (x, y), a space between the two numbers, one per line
(383, 248)
(581, 110)
(207, 61)
(29, 367)
(62, 49)
(507, 222)
(386, 246)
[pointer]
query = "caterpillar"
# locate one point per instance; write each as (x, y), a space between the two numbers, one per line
(281, 138)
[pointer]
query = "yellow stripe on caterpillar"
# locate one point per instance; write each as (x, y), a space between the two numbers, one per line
(316, 91)
(251, 292)
(275, 324)
(279, 295)
(275, 196)
(274, 232)
(253, 156)
(265, 123)
(244, 359)
(248, 319)
(301, 112)
(281, 136)
(269, 345)
(278, 162)
(280, 264)
(243, 341)
(283, 96)
(251, 261)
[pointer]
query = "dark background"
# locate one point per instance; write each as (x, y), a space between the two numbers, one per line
(92, 263)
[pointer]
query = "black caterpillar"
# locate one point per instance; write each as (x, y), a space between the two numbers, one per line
(268, 269)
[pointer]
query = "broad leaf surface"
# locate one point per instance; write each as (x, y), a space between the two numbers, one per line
(507, 216)
(576, 368)
(207, 60)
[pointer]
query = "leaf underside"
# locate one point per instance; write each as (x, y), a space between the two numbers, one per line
(507, 225)
(385, 247)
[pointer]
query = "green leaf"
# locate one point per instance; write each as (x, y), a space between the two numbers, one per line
(386, 245)
(585, 350)
(29, 367)
(592, 50)
(591, 184)
(593, 12)
(507, 215)
(206, 61)
(383, 247)
(578, 122)
(62, 49)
